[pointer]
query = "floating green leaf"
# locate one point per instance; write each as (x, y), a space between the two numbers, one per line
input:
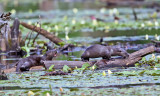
(85, 65)
(66, 68)
(51, 68)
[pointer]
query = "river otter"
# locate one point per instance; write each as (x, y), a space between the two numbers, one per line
(105, 52)
(26, 63)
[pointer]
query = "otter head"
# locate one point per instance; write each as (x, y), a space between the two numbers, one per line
(26, 66)
(122, 52)
(50, 54)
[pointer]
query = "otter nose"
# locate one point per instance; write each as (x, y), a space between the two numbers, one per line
(127, 55)
(24, 68)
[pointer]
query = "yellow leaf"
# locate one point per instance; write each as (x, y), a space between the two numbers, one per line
(146, 36)
(93, 67)
(56, 27)
(30, 93)
(95, 22)
(116, 21)
(61, 89)
(75, 10)
(73, 21)
(104, 73)
(67, 37)
(155, 68)
(109, 72)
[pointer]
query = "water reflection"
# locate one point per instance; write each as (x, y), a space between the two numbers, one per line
(96, 87)
(47, 5)
(2, 44)
(3, 62)
(17, 88)
(7, 62)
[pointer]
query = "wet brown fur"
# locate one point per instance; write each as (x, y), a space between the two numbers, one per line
(105, 52)
(26, 63)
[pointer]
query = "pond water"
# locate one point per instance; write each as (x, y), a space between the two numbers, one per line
(72, 23)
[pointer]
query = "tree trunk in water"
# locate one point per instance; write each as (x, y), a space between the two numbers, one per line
(9, 38)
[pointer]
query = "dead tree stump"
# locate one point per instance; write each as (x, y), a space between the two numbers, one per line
(9, 37)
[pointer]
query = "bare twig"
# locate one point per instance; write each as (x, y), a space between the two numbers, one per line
(37, 33)
(30, 36)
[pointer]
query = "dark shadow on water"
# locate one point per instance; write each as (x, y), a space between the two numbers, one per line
(125, 85)
(76, 88)
(17, 88)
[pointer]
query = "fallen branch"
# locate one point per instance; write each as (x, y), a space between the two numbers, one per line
(45, 33)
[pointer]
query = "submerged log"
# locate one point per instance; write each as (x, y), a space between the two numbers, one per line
(45, 33)
(128, 62)
(59, 64)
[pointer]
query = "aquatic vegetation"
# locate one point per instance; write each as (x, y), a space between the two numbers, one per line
(66, 68)
(86, 27)
(151, 68)
(151, 62)
(51, 68)
(82, 22)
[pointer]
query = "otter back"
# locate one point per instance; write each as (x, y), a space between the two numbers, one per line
(94, 51)
(105, 52)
